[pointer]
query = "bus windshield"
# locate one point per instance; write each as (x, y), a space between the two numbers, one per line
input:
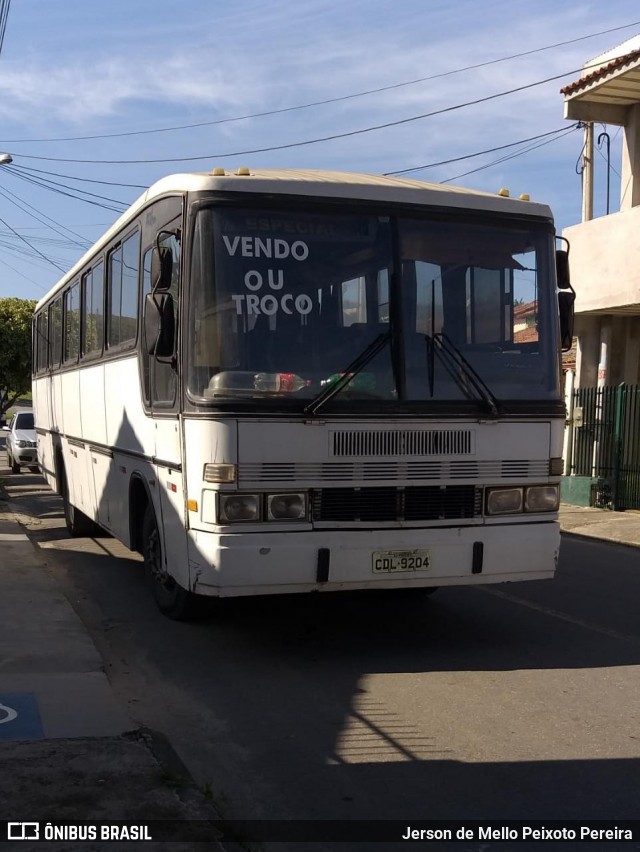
(282, 303)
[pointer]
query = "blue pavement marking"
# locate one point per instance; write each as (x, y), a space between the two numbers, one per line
(19, 717)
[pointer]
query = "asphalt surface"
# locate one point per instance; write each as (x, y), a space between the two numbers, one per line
(73, 750)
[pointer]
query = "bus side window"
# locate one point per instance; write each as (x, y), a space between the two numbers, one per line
(122, 293)
(71, 324)
(55, 324)
(92, 317)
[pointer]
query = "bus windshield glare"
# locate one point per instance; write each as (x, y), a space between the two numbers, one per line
(282, 302)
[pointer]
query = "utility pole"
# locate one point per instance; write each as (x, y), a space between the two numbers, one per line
(587, 173)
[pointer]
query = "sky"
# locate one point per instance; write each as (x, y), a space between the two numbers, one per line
(128, 73)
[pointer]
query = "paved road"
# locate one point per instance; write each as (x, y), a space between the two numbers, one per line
(516, 701)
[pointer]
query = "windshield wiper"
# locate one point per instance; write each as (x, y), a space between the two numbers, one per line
(460, 370)
(349, 373)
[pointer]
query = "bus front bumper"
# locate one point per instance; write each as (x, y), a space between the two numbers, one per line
(331, 560)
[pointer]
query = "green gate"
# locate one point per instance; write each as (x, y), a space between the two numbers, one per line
(606, 444)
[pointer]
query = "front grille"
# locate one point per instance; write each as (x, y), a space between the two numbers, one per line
(305, 473)
(405, 442)
(428, 503)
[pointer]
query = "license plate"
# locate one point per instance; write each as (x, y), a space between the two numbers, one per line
(397, 561)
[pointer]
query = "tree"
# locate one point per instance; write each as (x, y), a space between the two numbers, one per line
(15, 350)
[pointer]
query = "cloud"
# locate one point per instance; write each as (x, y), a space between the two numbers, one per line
(107, 68)
(249, 62)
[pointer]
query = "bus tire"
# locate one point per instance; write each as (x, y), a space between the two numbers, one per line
(171, 599)
(78, 524)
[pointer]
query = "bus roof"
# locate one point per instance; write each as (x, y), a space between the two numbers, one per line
(350, 186)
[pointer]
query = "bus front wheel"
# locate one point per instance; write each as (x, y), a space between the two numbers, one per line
(172, 600)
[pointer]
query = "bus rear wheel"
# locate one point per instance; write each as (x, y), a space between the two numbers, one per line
(172, 600)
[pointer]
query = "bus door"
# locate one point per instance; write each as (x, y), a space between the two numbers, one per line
(161, 396)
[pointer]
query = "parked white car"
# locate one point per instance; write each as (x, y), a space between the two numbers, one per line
(21, 441)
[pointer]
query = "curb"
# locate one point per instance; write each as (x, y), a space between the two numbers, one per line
(169, 760)
(601, 539)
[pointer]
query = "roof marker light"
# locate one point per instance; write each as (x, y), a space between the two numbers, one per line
(524, 196)
(243, 170)
(218, 172)
(504, 192)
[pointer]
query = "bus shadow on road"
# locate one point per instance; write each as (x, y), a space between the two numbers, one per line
(322, 680)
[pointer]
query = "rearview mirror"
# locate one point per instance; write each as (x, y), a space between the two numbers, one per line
(562, 270)
(159, 325)
(566, 299)
(161, 268)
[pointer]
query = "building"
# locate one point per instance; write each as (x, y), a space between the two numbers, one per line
(605, 251)
(602, 446)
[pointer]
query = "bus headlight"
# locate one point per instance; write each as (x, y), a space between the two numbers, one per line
(287, 507)
(541, 498)
(504, 501)
(239, 507)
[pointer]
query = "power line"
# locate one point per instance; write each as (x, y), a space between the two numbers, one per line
(510, 156)
(80, 192)
(33, 248)
(19, 204)
(52, 188)
(479, 153)
(56, 242)
(313, 103)
(315, 141)
(13, 269)
(4, 14)
(22, 252)
(32, 171)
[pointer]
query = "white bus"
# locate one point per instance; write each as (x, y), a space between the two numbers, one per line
(281, 381)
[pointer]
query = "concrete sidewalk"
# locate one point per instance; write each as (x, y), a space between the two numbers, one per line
(618, 527)
(68, 749)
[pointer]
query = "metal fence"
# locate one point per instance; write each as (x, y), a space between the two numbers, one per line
(606, 444)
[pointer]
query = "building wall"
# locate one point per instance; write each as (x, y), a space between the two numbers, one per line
(605, 261)
(587, 330)
(608, 350)
(630, 171)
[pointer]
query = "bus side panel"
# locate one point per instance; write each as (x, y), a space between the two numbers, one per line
(67, 400)
(130, 435)
(43, 435)
(93, 419)
(101, 470)
(127, 427)
(57, 404)
(67, 403)
(93, 414)
(172, 499)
